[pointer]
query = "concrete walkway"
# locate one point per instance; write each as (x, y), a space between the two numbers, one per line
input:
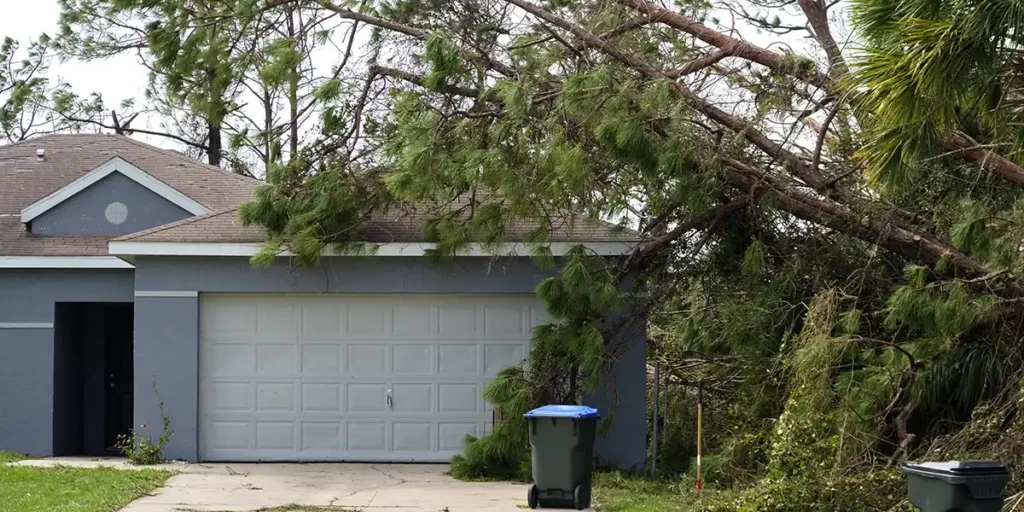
(363, 487)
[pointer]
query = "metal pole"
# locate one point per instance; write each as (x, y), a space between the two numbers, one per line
(700, 431)
(657, 398)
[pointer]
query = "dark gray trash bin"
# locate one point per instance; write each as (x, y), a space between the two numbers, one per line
(956, 486)
(562, 444)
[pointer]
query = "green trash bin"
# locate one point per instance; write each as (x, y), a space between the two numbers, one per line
(562, 444)
(956, 486)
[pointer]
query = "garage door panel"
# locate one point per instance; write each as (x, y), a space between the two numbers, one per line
(228, 435)
(320, 359)
(458, 398)
(412, 437)
(277, 360)
(322, 436)
(457, 321)
(368, 320)
(227, 320)
(367, 397)
(227, 359)
(323, 397)
(228, 396)
(276, 321)
(451, 435)
(504, 322)
(413, 359)
(322, 321)
(458, 360)
(412, 398)
(275, 435)
(367, 436)
(411, 321)
(308, 377)
(275, 397)
(367, 359)
(497, 357)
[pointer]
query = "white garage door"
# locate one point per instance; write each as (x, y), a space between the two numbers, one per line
(352, 377)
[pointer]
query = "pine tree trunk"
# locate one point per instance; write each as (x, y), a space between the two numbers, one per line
(293, 94)
(213, 153)
(269, 147)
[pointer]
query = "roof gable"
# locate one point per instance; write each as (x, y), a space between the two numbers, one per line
(115, 205)
(119, 165)
(24, 179)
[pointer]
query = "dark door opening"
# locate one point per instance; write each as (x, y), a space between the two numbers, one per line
(92, 377)
(119, 401)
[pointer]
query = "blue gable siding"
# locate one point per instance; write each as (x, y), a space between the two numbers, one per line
(84, 213)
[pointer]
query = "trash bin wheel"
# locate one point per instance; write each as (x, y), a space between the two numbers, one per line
(580, 498)
(533, 496)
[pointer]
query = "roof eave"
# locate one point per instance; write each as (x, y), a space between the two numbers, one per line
(142, 248)
(77, 262)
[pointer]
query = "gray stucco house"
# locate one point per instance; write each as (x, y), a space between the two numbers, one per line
(124, 273)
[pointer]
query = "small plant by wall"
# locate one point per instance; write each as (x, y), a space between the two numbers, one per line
(139, 445)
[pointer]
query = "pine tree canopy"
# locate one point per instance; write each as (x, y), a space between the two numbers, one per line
(844, 219)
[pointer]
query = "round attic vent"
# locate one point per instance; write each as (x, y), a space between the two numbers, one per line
(116, 213)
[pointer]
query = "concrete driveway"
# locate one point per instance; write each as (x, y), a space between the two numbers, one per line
(364, 487)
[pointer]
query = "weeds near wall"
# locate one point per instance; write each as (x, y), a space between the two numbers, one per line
(139, 446)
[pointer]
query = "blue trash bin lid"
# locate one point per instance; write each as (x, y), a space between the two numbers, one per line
(955, 467)
(577, 412)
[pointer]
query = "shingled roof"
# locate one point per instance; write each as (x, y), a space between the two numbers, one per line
(24, 180)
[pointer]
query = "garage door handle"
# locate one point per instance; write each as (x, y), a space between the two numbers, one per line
(390, 404)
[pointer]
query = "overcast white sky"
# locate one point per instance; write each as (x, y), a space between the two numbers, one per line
(117, 79)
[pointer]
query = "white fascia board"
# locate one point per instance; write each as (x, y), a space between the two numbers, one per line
(388, 249)
(116, 164)
(26, 325)
(63, 262)
(166, 294)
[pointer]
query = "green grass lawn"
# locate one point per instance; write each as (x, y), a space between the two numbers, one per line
(29, 489)
(618, 492)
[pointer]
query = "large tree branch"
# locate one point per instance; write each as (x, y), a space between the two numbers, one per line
(101, 124)
(793, 163)
(478, 56)
(421, 80)
(681, 229)
(695, 65)
(817, 16)
(876, 230)
(986, 158)
(816, 13)
(394, 26)
(737, 47)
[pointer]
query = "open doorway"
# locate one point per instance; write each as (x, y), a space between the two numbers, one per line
(93, 377)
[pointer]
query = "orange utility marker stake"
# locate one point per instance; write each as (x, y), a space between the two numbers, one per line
(700, 432)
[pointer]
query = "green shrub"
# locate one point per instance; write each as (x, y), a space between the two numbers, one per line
(567, 361)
